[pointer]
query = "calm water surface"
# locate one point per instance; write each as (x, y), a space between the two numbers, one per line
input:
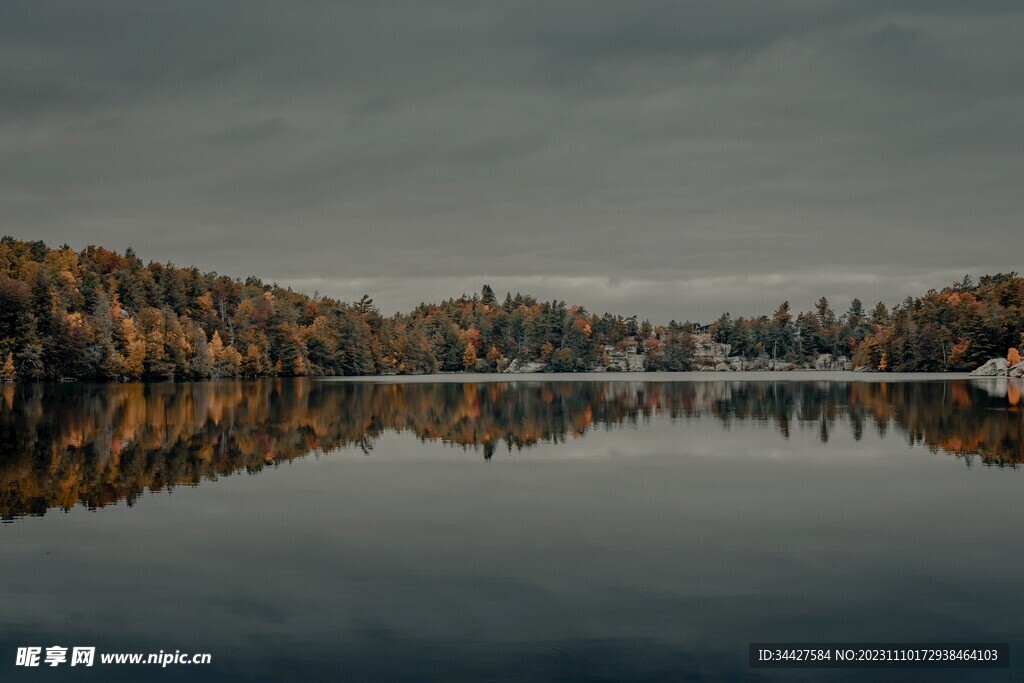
(539, 529)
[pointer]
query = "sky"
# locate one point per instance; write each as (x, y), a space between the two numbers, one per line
(665, 158)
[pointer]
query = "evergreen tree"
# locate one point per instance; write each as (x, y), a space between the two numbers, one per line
(487, 296)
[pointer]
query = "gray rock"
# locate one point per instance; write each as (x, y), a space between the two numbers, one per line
(827, 361)
(518, 367)
(723, 367)
(993, 368)
(1016, 371)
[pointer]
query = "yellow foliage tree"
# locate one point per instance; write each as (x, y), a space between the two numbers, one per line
(230, 363)
(205, 301)
(134, 350)
(493, 355)
(1013, 357)
(253, 362)
(9, 367)
(469, 356)
(216, 345)
(217, 351)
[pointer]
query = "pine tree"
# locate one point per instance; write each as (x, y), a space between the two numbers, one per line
(982, 331)
(855, 314)
(487, 296)
(825, 315)
(880, 314)
(780, 339)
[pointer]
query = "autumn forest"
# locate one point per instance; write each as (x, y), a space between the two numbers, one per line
(100, 314)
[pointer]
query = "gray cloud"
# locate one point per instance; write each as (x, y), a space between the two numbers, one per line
(723, 155)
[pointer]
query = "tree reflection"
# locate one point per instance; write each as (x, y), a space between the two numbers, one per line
(68, 444)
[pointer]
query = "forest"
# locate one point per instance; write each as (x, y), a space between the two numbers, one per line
(103, 315)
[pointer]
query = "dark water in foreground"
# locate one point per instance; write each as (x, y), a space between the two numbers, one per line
(507, 531)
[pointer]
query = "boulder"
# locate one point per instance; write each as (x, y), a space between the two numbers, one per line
(723, 367)
(520, 367)
(993, 368)
(1016, 371)
(827, 361)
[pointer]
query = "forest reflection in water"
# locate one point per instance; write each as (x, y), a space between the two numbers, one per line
(68, 444)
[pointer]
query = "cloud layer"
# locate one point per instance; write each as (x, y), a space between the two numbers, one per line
(665, 158)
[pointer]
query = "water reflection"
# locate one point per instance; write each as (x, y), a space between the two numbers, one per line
(61, 445)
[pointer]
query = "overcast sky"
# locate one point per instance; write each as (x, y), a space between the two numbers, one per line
(672, 159)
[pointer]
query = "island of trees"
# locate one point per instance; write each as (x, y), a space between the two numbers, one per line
(100, 314)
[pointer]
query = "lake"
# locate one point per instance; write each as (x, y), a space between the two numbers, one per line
(641, 527)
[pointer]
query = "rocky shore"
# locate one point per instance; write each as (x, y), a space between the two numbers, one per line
(999, 367)
(630, 360)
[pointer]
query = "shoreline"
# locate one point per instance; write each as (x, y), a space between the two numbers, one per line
(695, 376)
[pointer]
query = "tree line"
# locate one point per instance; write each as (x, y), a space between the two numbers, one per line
(99, 314)
(955, 329)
